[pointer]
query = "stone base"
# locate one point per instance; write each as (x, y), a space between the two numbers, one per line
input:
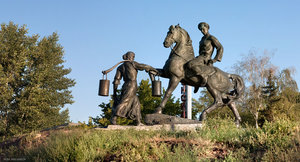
(161, 122)
(167, 127)
(152, 119)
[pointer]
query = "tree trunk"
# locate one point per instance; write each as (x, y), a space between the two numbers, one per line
(256, 119)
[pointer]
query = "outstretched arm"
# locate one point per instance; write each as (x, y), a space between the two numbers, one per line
(145, 67)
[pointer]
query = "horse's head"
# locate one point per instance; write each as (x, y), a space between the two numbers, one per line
(173, 35)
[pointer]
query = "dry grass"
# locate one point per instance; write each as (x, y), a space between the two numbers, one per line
(218, 140)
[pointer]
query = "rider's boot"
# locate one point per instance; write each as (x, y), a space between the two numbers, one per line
(196, 89)
(203, 82)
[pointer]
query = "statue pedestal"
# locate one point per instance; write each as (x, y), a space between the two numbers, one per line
(161, 122)
(167, 127)
(153, 119)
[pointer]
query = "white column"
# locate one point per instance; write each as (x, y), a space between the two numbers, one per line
(189, 101)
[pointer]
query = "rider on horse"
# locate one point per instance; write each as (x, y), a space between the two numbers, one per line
(182, 66)
(206, 49)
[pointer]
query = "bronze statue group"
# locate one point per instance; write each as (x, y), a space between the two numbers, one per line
(182, 66)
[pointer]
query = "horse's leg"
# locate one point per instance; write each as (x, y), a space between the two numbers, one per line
(238, 119)
(217, 102)
(173, 82)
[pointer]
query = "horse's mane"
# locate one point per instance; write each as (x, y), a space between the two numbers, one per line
(184, 32)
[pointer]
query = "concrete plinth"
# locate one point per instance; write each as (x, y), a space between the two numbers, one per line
(168, 127)
(161, 122)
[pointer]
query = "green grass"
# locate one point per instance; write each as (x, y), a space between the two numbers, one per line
(218, 140)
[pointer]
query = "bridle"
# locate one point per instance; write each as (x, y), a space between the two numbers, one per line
(173, 52)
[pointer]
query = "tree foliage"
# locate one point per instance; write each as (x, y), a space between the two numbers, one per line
(253, 68)
(280, 97)
(148, 105)
(289, 105)
(33, 85)
(271, 97)
(271, 93)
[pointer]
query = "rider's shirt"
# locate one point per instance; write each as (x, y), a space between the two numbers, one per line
(206, 48)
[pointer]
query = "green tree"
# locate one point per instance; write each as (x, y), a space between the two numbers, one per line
(33, 85)
(271, 96)
(148, 102)
(289, 105)
(148, 105)
(280, 97)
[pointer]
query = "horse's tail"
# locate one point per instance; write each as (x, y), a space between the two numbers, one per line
(238, 86)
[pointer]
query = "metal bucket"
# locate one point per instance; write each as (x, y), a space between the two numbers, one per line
(156, 88)
(103, 87)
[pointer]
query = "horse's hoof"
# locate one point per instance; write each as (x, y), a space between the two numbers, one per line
(237, 123)
(158, 110)
(113, 121)
(202, 116)
(140, 124)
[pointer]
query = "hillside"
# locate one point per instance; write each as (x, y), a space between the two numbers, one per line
(219, 139)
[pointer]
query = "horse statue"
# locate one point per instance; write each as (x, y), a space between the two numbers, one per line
(225, 88)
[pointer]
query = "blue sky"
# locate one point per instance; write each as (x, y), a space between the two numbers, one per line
(95, 34)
